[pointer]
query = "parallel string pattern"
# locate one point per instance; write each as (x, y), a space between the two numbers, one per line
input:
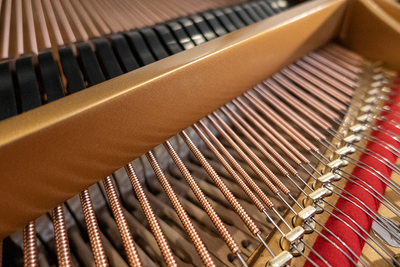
(155, 227)
(81, 20)
(133, 256)
(197, 242)
(222, 176)
(250, 130)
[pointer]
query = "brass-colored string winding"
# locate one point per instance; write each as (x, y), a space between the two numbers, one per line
(61, 236)
(127, 239)
(180, 211)
(99, 255)
(30, 245)
(151, 217)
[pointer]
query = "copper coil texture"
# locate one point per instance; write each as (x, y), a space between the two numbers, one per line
(274, 87)
(328, 55)
(242, 172)
(263, 142)
(254, 156)
(302, 123)
(314, 90)
(289, 130)
(30, 246)
(254, 142)
(202, 199)
(231, 171)
(338, 60)
(334, 66)
(329, 71)
(272, 134)
(61, 236)
(221, 185)
(341, 86)
(99, 255)
(150, 216)
(281, 123)
(127, 240)
(252, 165)
(180, 211)
(345, 54)
(304, 96)
(320, 84)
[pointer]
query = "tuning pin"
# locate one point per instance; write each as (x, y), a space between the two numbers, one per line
(364, 119)
(341, 152)
(325, 180)
(305, 220)
(292, 241)
(283, 259)
(315, 199)
(335, 165)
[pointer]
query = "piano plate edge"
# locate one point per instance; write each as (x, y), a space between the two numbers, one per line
(52, 153)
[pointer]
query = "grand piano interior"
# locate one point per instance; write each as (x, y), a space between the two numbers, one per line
(192, 133)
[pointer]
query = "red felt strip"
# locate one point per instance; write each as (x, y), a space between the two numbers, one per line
(326, 249)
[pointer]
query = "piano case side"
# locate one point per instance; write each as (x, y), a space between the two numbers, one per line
(372, 31)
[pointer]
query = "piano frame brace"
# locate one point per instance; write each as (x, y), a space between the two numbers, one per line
(51, 153)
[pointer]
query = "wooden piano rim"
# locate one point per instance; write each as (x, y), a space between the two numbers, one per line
(53, 152)
(392, 8)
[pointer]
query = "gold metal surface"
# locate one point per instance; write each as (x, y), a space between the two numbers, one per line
(52, 153)
(392, 8)
(372, 32)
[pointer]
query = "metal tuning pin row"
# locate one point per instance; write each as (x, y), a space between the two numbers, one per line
(367, 100)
